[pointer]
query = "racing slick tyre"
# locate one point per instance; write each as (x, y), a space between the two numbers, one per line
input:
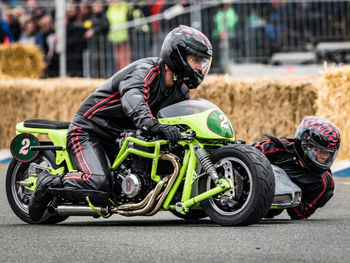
(254, 186)
(273, 212)
(18, 193)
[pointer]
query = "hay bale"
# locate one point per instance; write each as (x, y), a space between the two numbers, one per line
(21, 61)
(53, 99)
(255, 107)
(333, 103)
(261, 106)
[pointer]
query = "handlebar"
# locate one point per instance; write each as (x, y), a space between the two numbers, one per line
(185, 136)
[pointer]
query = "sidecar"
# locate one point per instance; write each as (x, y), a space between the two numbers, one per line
(287, 193)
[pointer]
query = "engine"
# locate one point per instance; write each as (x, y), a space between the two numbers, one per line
(133, 179)
(131, 185)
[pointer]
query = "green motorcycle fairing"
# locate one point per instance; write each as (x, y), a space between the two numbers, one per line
(202, 116)
(197, 115)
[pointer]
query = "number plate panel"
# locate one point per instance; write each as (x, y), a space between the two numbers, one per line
(20, 147)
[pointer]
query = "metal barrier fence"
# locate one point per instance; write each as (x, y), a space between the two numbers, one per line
(240, 31)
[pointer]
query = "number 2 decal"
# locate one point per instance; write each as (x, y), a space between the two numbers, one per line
(224, 123)
(26, 143)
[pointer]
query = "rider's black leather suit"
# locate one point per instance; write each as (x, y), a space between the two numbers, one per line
(129, 99)
(317, 189)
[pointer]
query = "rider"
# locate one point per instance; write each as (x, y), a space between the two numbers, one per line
(129, 99)
(306, 159)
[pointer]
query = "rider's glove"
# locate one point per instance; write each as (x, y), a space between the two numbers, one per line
(170, 132)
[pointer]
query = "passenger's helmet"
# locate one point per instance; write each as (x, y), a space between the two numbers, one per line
(179, 43)
(317, 143)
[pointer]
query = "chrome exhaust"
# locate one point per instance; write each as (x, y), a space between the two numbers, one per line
(74, 210)
(158, 197)
(148, 206)
(175, 161)
(125, 211)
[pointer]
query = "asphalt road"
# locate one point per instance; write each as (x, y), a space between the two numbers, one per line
(164, 238)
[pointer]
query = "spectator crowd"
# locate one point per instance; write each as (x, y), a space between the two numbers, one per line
(239, 30)
(33, 22)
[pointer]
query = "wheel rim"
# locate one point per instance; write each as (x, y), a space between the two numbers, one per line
(239, 166)
(20, 194)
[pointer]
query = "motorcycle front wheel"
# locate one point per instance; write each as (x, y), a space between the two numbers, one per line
(253, 191)
(18, 194)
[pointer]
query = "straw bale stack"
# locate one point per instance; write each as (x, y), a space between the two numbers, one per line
(21, 61)
(255, 107)
(262, 106)
(53, 99)
(333, 103)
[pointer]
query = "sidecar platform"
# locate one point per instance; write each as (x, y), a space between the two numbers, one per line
(287, 193)
(48, 124)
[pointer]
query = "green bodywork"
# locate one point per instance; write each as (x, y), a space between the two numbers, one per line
(211, 128)
(57, 137)
(207, 125)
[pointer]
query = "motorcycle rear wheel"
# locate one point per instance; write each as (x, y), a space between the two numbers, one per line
(18, 196)
(254, 187)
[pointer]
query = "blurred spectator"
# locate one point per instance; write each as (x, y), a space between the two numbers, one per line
(5, 32)
(49, 44)
(225, 20)
(98, 42)
(75, 42)
(34, 10)
(19, 14)
(139, 35)
(117, 14)
(156, 7)
(14, 24)
(12, 3)
(99, 21)
(31, 35)
(84, 10)
(84, 14)
(262, 32)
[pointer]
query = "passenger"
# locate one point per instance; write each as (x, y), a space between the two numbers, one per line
(307, 159)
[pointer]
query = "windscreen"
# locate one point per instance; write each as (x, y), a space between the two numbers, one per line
(185, 108)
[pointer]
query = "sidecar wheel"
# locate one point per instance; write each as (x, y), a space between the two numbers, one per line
(18, 195)
(273, 212)
(254, 187)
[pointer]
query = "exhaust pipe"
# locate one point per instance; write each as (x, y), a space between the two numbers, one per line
(72, 210)
(120, 209)
(149, 206)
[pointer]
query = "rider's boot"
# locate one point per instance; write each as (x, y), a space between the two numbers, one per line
(41, 196)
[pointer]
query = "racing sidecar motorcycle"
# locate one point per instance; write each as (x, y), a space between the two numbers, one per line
(207, 173)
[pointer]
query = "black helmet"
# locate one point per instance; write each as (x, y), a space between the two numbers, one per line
(179, 43)
(317, 143)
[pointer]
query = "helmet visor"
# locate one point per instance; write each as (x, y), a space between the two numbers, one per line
(321, 156)
(199, 64)
(206, 66)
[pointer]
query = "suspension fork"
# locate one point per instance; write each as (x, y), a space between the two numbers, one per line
(188, 171)
(177, 182)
